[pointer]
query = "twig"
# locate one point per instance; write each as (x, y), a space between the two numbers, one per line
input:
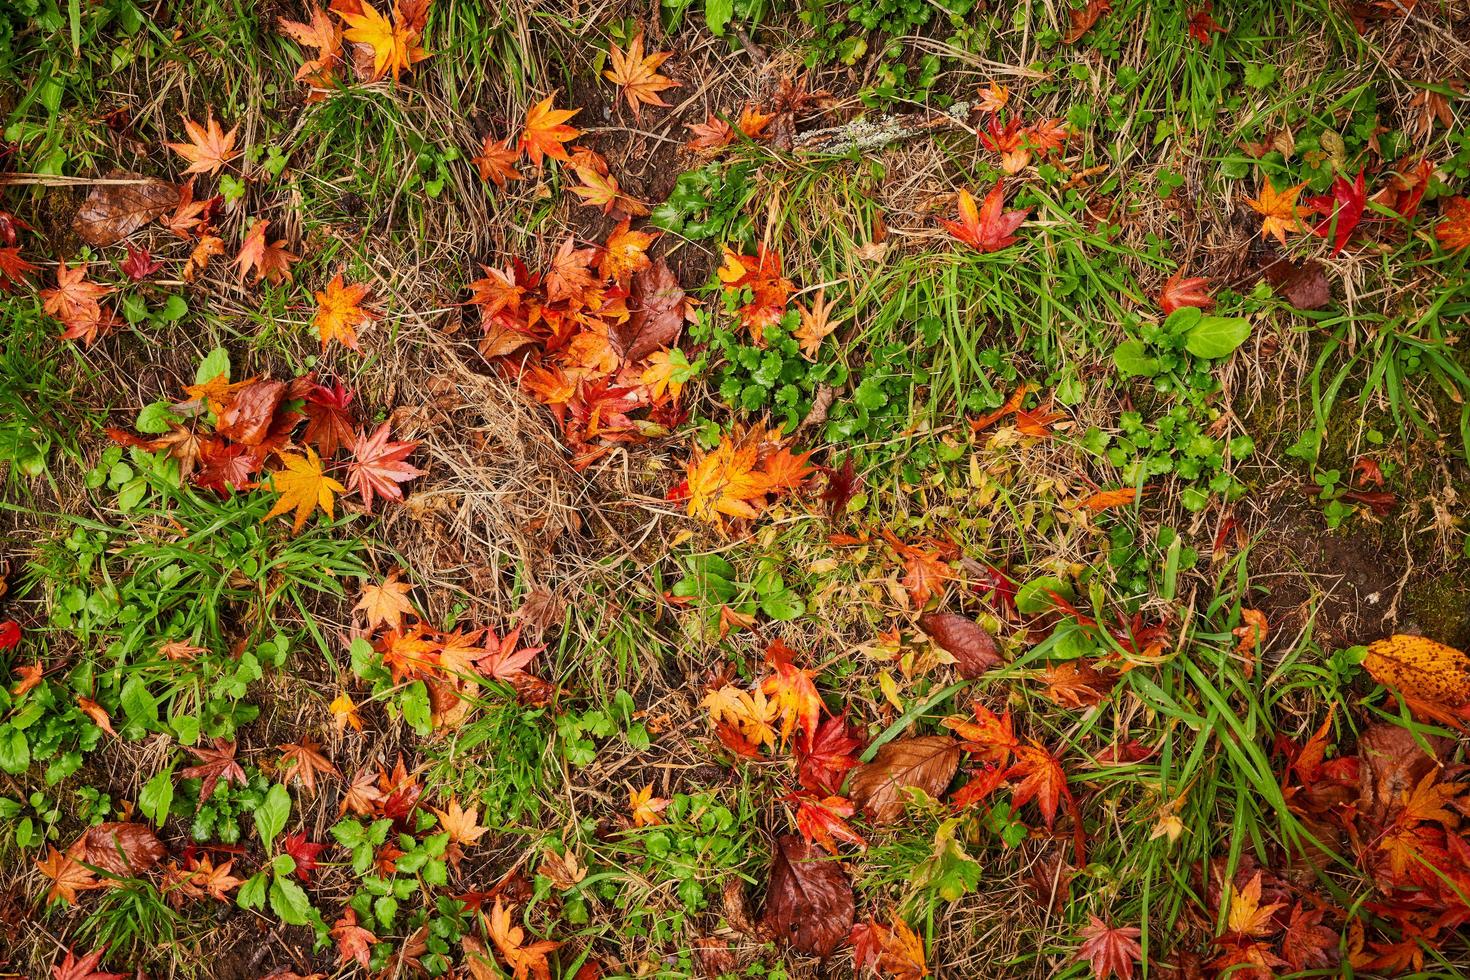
(866, 135)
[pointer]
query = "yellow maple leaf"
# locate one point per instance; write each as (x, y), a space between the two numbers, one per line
(725, 481)
(303, 487)
(1278, 210)
(394, 43)
(668, 370)
(344, 712)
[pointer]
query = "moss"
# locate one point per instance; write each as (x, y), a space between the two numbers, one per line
(1440, 606)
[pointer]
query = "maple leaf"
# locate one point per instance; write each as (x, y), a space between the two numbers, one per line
(545, 131)
(990, 737)
(602, 190)
(1076, 684)
(893, 950)
(821, 820)
(1278, 210)
(269, 261)
(13, 268)
(793, 695)
(303, 487)
(637, 74)
(496, 161)
(711, 135)
(198, 260)
(460, 824)
(362, 795)
(215, 763)
(303, 852)
(993, 98)
(394, 43)
(353, 941)
(1180, 291)
(86, 968)
(1453, 230)
(989, 227)
(339, 312)
(1083, 19)
(503, 658)
(74, 298)
(216, 882)
(1202, 24)
(304, 761)
(1307, 943)
(325, 35)
(624, 253)
(190, 217)
(816, 323)
(525, 959)
(746, 714)
(1109, 950)
(68, 876)
(924, 570)
(384, 605)
(344, 712)
(569, 277)
(329, 423)
(1343, 210)
(725, 481)
(1104, 500)
(379, 466)
(97, 713)
(1247, 917)
(646, 808)
(1042, 779)
(209, 147)
(833, 751)
(667, 371)
(139, 264)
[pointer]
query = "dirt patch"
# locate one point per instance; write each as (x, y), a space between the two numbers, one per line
(1351, 577)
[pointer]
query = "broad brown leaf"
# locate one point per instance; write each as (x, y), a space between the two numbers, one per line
(926, 762)
(113, 211)
(809, 901)
(656, 307)
(123, 849)
(974, 650)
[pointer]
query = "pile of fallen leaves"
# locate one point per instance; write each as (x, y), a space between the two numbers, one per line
(230, 437)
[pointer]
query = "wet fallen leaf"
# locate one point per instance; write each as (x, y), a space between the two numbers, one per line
(113, 211)
(974, 650)
(809, 900)
(926, 762)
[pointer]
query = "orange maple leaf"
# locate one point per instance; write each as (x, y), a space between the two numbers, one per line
(1278, 210)
(209, 147)
(624, 253)
(268, 260)
(989, 227)
(1042, 780)
(525, 959)
(496, 161)
(816, 323)
(1453, 231)
(386, 604)
(637, 74)
(546, 130)
(339, 312)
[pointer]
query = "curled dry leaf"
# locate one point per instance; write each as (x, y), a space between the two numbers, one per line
(974, 650)
(112, 212)
(809, 902)
(927, 762)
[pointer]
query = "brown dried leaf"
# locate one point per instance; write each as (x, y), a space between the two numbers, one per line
(927, 762)
(809, 902)
(656, 303)
(974, 650)
(112, 212)
(124, 849)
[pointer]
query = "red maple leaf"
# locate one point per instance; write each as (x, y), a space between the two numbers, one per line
(1343, 209)
(1110, 950)
(379, 466)
(1042, 780)
(1180, 291)
(833, 751)
(989, 227)
(303, 852)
